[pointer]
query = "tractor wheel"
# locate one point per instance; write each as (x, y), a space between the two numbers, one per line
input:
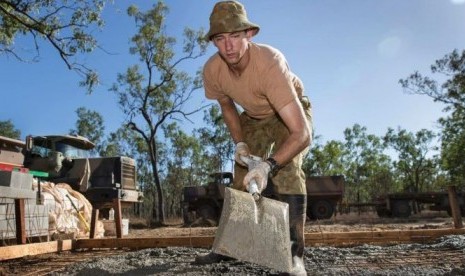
(321, 209)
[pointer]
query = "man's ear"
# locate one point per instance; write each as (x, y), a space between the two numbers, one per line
(249, 34)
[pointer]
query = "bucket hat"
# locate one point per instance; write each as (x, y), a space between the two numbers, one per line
(229, 16)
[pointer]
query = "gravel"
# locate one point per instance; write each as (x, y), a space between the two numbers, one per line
(445, 256)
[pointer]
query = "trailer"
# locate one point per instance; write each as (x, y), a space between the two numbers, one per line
(402, 204)
(324, 193)
(204, 203)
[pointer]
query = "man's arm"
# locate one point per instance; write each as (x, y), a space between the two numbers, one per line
(231, 118)
(299, 133)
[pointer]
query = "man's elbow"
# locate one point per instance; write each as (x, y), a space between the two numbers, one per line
(307, 137)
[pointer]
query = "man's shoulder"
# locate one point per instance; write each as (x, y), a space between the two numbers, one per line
(213, 63)
(266, 53)
(265, 49)
(213, 59)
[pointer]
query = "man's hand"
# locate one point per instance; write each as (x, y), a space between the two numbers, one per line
(259, 174)
(241, 150)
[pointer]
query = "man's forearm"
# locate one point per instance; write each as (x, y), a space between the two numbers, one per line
(299, 133)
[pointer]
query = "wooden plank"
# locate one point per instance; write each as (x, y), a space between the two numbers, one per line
(118, 217)
(377, 237)
(311, 239)
(18, 251)
(93, 222)
(140, 243)
(20, 221)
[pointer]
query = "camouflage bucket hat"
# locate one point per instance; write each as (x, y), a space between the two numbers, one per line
(227, 17)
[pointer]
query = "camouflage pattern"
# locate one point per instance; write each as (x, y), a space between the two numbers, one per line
(227, 17)
(262, 136)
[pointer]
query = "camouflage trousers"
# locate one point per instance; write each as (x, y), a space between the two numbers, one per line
(264, 136)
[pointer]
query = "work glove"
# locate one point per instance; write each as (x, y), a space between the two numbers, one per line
(260, 174)
(241, 150)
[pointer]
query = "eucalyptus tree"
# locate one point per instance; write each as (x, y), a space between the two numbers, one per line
(367, 166)
(184, 168)
(65, 26)
(156, 91)
(415, 165)
(325, 159)
(446, 87)
(8, 129)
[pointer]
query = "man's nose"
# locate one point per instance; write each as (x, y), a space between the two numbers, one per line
(228, 44)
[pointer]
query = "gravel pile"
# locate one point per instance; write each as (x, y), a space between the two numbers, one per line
(446, 256)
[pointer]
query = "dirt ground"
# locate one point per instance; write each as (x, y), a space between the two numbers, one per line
(366, 221)
(445, 256)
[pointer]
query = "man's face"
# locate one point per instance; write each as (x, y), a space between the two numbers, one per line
(232, 46)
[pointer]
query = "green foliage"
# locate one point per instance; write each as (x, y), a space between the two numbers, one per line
(325, 159)
(216, 139)
(154, 93)
(8, 129)
(90, 125)
(66, 26)
(450, 92)
(365, 162)
(414, 165)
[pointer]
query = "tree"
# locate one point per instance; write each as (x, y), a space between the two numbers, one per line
(184, 161)
(367, 167)
(90, 125)
(325, 159)
(451, 92)
(158, 94)
(64, 25)
(216, 139)
(413, 166)
(8, 129)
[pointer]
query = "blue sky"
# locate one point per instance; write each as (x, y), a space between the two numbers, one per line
(349, 54)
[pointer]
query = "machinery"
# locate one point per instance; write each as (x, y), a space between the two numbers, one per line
(203, 204)
(401, 205)
(68, 159)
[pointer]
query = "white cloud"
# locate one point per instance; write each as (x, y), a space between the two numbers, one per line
(457, 2)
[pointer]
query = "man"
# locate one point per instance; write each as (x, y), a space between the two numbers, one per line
(276, 115)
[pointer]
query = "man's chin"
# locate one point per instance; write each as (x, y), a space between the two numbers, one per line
(230, 61)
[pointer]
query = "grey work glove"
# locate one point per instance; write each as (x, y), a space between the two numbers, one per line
(260, 174)
(241, 150)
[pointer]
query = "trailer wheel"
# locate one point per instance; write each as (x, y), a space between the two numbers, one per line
(401, 209)
(321, 209)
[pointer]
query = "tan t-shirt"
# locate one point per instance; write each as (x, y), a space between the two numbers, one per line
(266, 85)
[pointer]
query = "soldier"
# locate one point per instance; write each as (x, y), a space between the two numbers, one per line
(276, 114)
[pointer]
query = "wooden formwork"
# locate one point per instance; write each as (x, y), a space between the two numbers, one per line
(311, 239)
